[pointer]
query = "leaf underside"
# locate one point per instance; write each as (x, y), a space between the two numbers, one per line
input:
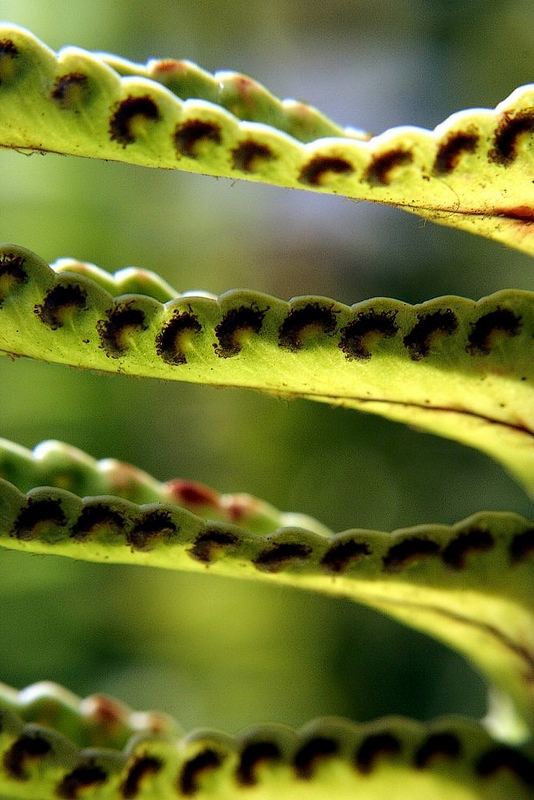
(470, 585)
(474, 171)
(55, 744)
(451, 366)
(454, 367)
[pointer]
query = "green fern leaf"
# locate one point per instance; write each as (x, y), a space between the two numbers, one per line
(455, 367)
(54, 745)
(474, 171)
(470, 585)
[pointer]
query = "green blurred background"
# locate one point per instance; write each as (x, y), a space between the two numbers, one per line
(211, 651)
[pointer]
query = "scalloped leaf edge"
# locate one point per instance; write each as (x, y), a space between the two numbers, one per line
(325, 756)
(453, 582)
(471, 172)
(382, 356)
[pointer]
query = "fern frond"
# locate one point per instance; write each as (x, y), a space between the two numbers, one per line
(455, 367)
(393, 757)
(470, 584)
(474, 171)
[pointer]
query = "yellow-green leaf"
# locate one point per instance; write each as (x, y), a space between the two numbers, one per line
(455, 367)
(54, 745)
(469, 584)
(474, 171)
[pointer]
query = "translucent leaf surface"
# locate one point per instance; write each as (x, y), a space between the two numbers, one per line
(47, 750)
(474, 171)
(455, 367)
(470, 585)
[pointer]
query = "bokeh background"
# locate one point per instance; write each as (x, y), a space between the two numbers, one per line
(212, 651)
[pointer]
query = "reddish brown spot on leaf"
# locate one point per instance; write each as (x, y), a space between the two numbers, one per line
(519, 213)
(476, 540)
(169, 66)
(248, 155)
(121, 126)
(8, 48)
(355, 335)
(275, 558)
(311, 753)
(503, 758)
(409, 551)
(381, 168)
(522, 545)
(122, 319)
(209, 543)
(315, 170)
(94, 516)
(501, 320)
(8, 54)
(238, 507)
(104, 711)
(428, 326)
(138, 772)
(452, 148)
(290, 334)
(511, 128)
(80, 778)
(152, 527)
(436, 746)
(37, 512)
(12, 273)
(28, 747)
(70, 89)
(190, 134)
(192, 771)
(374, 747)
(236, 322)
(252, 756)
(59, 302)
(343, 553)
(170, 340)
(192, 493)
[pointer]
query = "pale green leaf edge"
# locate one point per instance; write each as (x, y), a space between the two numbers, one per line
(454, 367)
(473, 171)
